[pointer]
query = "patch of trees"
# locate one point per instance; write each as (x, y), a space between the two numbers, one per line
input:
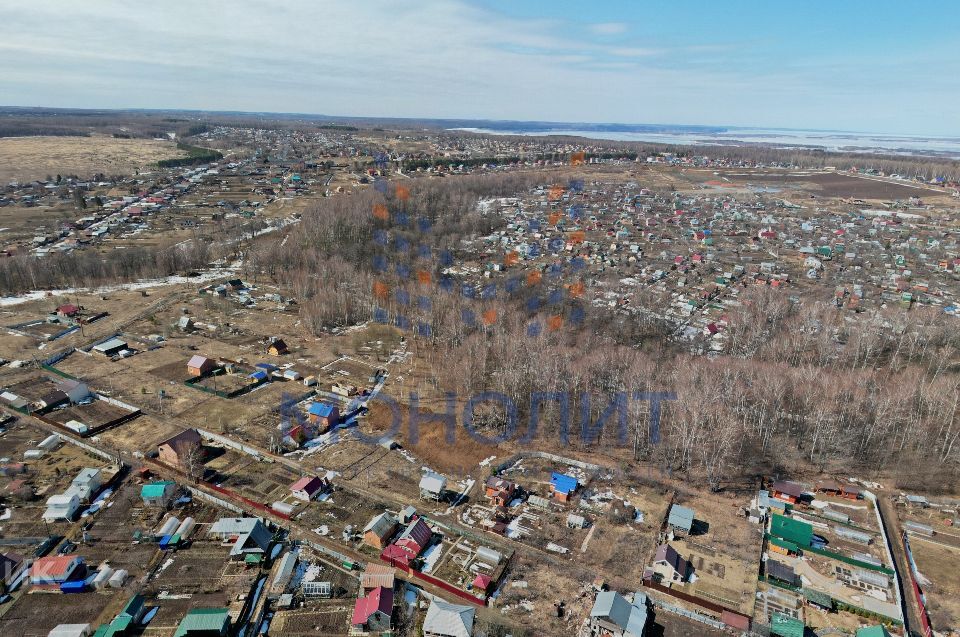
(339, 127)
(195, 155)
(90, 268)
(197, 129)
(29, 130)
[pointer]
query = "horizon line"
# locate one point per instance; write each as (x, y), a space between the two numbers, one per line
(468, 119)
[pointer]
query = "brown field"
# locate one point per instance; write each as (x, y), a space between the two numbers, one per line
(938, 563)
(38, 157)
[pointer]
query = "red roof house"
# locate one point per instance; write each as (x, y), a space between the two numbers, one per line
(482, 582)
(786, 491)
(307, 488)
(415, 537)
(55, 569)
(372, 612)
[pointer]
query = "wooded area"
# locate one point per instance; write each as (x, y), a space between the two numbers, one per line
(796, 382)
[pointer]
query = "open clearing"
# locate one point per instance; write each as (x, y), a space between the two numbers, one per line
(38, 157)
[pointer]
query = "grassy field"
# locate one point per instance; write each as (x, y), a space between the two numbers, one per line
(37, 157)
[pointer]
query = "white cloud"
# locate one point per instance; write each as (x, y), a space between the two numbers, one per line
(432, 58)
(633, 52)
(608, 28)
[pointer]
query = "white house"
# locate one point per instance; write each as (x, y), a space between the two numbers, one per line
(432, 485)
(61, 507)
(87, 482)
(448, 620)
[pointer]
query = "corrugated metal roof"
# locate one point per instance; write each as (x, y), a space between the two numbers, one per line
(680, 517)
(113, 343)
(784, 626)
(563, 483)
(204, 620)
(155, 489)
(323, 410)
(444, 618)
(792, 530)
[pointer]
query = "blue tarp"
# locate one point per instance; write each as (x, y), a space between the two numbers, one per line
(563, 483)
(323, 410)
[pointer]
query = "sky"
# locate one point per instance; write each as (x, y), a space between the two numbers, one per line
(857, 65)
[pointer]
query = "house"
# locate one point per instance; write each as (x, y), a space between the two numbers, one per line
(372, 612)
(63, 506)
(448, 620)
(76, 391)
(377, 575)
(12, 565)
(784, 626)
(782, 573)
(562, 486)
(54, 399)
(797, 532)
(379, 530)
(86, 484)
(839, 490)
(481, 583)
(765, 503)
(324, 415)
(110, 347)
(873, 631)
(416, 537)
(432, 485)
(68, 309)
(499, 491)
(277, 347)
(204, 622)
(182, 449)
(307, 488)
(680, 520)
(818, 599)
(200, 365)
(158, 494)
(249, 536)
(668, 564)
(786, 491)
(126, 620)
(71, 630)
(613, 615)
(56, 569)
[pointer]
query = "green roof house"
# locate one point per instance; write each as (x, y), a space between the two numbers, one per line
(873, 631)
(800, 533)
(818, 598)
(204, 622)
(158, 493)
(783, 626)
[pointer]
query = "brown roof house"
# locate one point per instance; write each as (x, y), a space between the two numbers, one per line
(12, 565)
(379, 530)
(200, 365)
(184, 451)
(277, 347)
(668, 564)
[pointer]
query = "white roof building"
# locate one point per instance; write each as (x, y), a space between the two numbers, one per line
(61, 507)
(448, 620)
